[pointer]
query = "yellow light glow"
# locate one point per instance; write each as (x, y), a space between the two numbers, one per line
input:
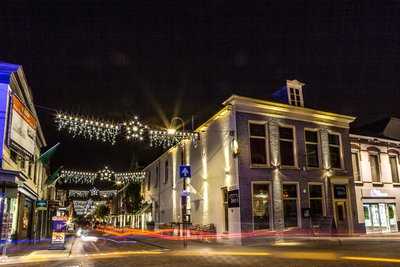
(171, 131)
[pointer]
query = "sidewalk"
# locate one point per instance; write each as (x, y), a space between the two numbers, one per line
(31, 253)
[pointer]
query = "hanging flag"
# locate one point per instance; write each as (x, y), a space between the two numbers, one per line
(54, 177)
(45, 157)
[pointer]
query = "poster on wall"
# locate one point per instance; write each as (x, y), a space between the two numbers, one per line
(23, 126)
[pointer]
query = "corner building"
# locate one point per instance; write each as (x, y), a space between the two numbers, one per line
(260, 165)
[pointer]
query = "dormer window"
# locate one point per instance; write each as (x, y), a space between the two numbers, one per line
(295, 93)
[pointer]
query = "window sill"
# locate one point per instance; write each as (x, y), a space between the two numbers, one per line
(377, 184)
(396, 184)
(313, 168)
(359, 182)
(259, 166)
(283, 167)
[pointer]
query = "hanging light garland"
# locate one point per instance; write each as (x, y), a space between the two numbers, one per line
(91, 129)
(104, 175)
(134, 130)
(77, 177)
(168, 138)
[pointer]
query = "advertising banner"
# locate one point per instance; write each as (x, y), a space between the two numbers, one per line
(23, 126)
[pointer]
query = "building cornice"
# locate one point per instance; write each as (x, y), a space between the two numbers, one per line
(354, 137)
(280, 110)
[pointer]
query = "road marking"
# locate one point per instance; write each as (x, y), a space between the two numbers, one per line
(219, 253)
(371, 259)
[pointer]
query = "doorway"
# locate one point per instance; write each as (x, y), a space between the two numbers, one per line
(341, 217)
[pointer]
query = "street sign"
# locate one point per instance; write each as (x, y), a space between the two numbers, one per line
(41, 205)
(185, 171)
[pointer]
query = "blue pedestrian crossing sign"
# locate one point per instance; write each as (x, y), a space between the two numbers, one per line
(185, 171)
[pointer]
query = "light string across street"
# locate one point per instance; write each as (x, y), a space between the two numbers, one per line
(134, 130)
(104, 175)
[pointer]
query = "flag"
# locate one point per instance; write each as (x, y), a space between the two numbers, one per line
(54, 177)
(45, 157)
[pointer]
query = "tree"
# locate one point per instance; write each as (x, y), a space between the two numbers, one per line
(133, 198)
(101, 212)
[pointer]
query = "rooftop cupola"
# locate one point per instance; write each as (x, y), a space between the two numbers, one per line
(291, 94)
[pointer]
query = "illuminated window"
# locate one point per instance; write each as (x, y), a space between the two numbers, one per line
(290, 205)
(312, 155)
(261, 206)
(356, 165)
(393, 168)
(335, 150)
(286, 146)
(258, 144)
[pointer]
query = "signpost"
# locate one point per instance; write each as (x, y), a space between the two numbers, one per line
(59, 227)
(184, 172)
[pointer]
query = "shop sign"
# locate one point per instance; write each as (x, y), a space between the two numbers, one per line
(23, 126)
(41, 204)
(378, 193)
(59, 224)
(233, 199)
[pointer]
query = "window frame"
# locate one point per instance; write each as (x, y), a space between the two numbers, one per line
(377, 154)
(266, 139)
(318, 147)
(296, 92)
(166, 170)
(340, 150)
(298, 204)
(357, 152)
(396, 156)
(322, 197)
(270, 208)
(294, 141)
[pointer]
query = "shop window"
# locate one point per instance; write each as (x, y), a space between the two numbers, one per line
(374, 165)
(258, 144)
(356, 166)
(311, 140)
(286, 146)
(261, 206)
(290, 212)
(316, 202)
(334, 150)
(394, 168)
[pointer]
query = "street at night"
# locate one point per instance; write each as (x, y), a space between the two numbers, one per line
(201, 133)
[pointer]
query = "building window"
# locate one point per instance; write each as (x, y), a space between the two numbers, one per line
(312, 157)
(316, 203)
(374, 164)
(295, 97)
(393, 168)
(356, 165)
(157, 175)
(334, 150)
(226, 209)
(290, 205)
(261, 206)
(286, 146)
(149, 181)
(166, 171)
(258, 144)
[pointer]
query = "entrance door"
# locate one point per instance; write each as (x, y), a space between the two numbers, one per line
(341, 216)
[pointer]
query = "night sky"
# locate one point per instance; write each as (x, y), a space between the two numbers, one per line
(159, 59)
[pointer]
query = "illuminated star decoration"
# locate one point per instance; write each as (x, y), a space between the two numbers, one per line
(91, 129)
(106, 174)
(94, 191)
(167, 138)
(134, 129)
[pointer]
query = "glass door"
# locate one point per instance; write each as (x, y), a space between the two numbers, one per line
(261, 206)
(391, 211)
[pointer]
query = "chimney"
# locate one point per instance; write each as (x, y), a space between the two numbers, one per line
(291, 94)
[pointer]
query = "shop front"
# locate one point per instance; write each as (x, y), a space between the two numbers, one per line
(380, 215)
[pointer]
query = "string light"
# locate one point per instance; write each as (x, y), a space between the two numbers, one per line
(91, 129)
(127, 177)
(134, 129)
(167, 138)
(77, 177)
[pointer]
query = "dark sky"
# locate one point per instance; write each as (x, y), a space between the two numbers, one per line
(115, 59)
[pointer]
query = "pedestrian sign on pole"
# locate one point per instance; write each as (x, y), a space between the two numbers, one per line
(185, 171)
